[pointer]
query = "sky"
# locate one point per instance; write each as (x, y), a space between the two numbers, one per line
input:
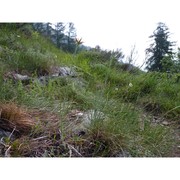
(111, 24)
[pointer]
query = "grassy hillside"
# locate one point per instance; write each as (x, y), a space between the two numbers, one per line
(100, 110)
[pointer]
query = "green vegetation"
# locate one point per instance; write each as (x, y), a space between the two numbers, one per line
(122, 102)
(160, 55)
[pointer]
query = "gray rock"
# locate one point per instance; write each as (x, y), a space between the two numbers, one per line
(81, 120)
(165, 123)
(17, 77)
(66, 71)
(43, 80)
(57, 72)
(21, 77)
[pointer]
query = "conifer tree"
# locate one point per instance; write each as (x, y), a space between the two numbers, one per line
(159, 49)
(59, 27)
(71, 37)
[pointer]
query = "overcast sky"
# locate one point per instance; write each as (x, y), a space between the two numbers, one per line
(111, 24)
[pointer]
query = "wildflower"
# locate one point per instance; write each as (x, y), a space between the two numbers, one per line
(130, 85)
(116, 89)
(18, 36)
(79, 41)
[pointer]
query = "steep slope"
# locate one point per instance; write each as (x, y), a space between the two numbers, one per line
(80, 105)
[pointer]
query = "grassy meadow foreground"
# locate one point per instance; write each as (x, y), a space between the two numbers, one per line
(56, 104)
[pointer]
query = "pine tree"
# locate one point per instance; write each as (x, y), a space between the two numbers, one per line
(59, 27)
(159, 49)
(71, 37)
(48, 29)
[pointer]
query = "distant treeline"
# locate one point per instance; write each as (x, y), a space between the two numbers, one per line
(63, 35)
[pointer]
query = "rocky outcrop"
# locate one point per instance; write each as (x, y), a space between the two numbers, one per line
(25, 79)
(56, 72)
(65, 71)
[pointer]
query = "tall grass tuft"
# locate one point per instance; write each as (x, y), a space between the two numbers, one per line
(15, 118)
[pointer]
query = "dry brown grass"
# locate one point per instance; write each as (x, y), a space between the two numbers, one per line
(44, 139)
(47, 122)
(49, 136)
(13, 117)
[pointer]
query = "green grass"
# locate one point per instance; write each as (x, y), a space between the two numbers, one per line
(126, 99)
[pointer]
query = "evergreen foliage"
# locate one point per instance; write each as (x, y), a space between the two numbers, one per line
(132, 114)
(159, 49)
(63, 36)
